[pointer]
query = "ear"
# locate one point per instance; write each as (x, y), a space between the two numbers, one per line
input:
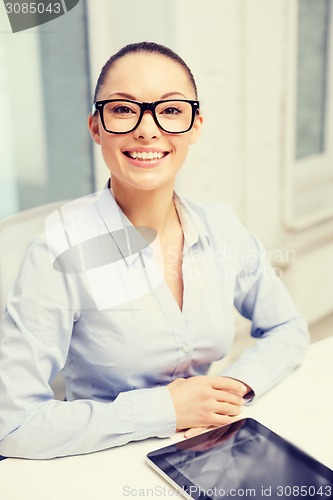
(196, 129)
(93, 125)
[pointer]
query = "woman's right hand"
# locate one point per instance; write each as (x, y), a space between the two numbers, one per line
(205, 401)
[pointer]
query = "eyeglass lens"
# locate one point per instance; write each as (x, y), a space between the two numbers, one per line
(172, 116)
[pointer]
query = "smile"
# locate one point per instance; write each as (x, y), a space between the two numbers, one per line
(146, 155)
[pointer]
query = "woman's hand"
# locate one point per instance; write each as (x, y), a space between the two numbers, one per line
(205, 401)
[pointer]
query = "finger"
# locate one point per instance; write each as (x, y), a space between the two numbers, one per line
(195, 431)
(229, 384)
(217, 419)
(228, 397)
(227, 409)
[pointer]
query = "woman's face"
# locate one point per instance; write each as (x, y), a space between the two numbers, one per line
(145, 77)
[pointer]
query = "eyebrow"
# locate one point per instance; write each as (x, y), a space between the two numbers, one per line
(132, 98)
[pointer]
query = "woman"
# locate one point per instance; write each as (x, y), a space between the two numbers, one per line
(136, 325)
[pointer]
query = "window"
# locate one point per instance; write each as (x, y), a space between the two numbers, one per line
(313, 52)
(309, 131)
(46, 152)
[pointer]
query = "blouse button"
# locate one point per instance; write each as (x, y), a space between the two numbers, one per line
(185, 349)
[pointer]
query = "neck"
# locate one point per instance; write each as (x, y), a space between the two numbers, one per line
(153, 208)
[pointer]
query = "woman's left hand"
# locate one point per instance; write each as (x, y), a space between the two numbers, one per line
(195, 431)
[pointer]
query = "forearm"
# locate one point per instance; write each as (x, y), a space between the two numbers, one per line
(273, 357)
(57, 428)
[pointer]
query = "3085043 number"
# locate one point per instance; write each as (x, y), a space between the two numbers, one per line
(304, 491)
(33, 8)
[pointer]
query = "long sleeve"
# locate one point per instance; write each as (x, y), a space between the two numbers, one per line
(282, 335)
(35, 339)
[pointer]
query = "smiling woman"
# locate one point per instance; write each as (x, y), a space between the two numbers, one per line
(165, 88)
(127, 292)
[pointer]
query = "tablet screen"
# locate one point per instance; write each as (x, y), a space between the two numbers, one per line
(244, 459)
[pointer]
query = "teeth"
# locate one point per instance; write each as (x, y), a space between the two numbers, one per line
(144, 155)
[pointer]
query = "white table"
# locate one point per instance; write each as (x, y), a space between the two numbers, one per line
(300, 409)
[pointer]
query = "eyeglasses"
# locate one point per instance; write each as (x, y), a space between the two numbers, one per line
(121, 116)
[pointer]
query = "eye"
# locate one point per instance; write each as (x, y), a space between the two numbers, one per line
(171, 110)
(122, 110)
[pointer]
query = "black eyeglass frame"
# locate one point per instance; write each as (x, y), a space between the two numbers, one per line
(145, 106)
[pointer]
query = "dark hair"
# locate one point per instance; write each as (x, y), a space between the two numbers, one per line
(141, 47)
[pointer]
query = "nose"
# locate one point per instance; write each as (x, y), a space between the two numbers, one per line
(147, 128)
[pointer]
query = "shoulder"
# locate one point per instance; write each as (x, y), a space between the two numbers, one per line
(215, 218)
(212, 209)
(224, 231)
(67, 225)
(37, 251)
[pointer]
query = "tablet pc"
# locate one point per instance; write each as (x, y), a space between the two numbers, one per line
(243, 459)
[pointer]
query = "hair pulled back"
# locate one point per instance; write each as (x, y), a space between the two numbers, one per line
(142, 47)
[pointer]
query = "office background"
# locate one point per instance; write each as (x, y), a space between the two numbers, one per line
(264, 73)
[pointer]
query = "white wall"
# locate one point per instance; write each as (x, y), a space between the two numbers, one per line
(239, 51)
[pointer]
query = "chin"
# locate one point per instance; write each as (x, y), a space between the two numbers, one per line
(151, 182)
